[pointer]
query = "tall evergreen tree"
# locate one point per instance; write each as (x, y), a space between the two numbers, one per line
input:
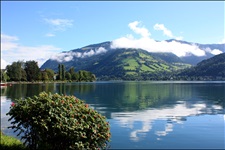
(63, 72)
(59, 72)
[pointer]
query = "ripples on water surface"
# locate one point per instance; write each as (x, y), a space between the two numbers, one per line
(145, 114)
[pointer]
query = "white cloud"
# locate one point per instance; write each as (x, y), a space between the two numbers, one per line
(139, 30)
(8, 42)
(5, 38)
(49, 34)
(166, 31)
(100, 50)
(88, 54)
(68, 56)
(61, 56)
(214, 51)
(3, 64)
(59, 24)
(149, 44)
(13, 51)
(92, 52)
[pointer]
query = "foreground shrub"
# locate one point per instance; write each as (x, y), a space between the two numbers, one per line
(53, 121)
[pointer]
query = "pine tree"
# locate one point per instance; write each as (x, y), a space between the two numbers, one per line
(63, 72)
(59, 72)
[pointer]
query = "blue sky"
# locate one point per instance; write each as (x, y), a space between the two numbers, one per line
(38, 30)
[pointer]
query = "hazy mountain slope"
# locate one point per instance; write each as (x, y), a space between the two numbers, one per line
(214, 67)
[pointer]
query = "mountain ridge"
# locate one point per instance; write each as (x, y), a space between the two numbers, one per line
(128, 63)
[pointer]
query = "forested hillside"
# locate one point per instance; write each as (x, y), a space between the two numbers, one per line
(109, 63)
(210, 68)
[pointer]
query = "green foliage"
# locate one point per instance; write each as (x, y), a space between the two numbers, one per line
(71, 70)
(79, 76)
(118, 63)
(63, 72)
(40, 76)
(75, 76)
(209, 69)
(86, 76)
(23, 75)
(50, 74)
(59, 77)
(32, 70)
(11, 143)
(15, 71)
(130, 64)
(53, 121)
(45, 76)
(4, 76)
(68, 76)
(28, 71)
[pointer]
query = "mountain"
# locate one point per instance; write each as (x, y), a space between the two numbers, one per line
(193, 60)
(213, 68)
(121, 63)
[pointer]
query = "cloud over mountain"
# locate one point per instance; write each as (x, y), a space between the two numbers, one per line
(68, 56)
(151, 45)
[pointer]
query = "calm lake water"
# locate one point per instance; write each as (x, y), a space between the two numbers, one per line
(144, 114)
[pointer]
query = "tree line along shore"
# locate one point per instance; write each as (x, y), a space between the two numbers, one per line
(29, 72)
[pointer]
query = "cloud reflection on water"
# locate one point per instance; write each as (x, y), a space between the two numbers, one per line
(4, 106)
(171, 115)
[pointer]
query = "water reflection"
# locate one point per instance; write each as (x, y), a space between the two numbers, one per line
(138, 110)
(175, 114)
(5, 104)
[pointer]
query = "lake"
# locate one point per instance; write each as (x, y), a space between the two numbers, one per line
(145, 114)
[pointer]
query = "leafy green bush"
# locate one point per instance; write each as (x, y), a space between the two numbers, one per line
(53, 121)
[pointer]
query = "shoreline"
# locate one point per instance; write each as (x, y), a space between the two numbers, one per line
(36, 82)
(44, 82)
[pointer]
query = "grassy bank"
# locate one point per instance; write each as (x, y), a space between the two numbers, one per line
(11, 143)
